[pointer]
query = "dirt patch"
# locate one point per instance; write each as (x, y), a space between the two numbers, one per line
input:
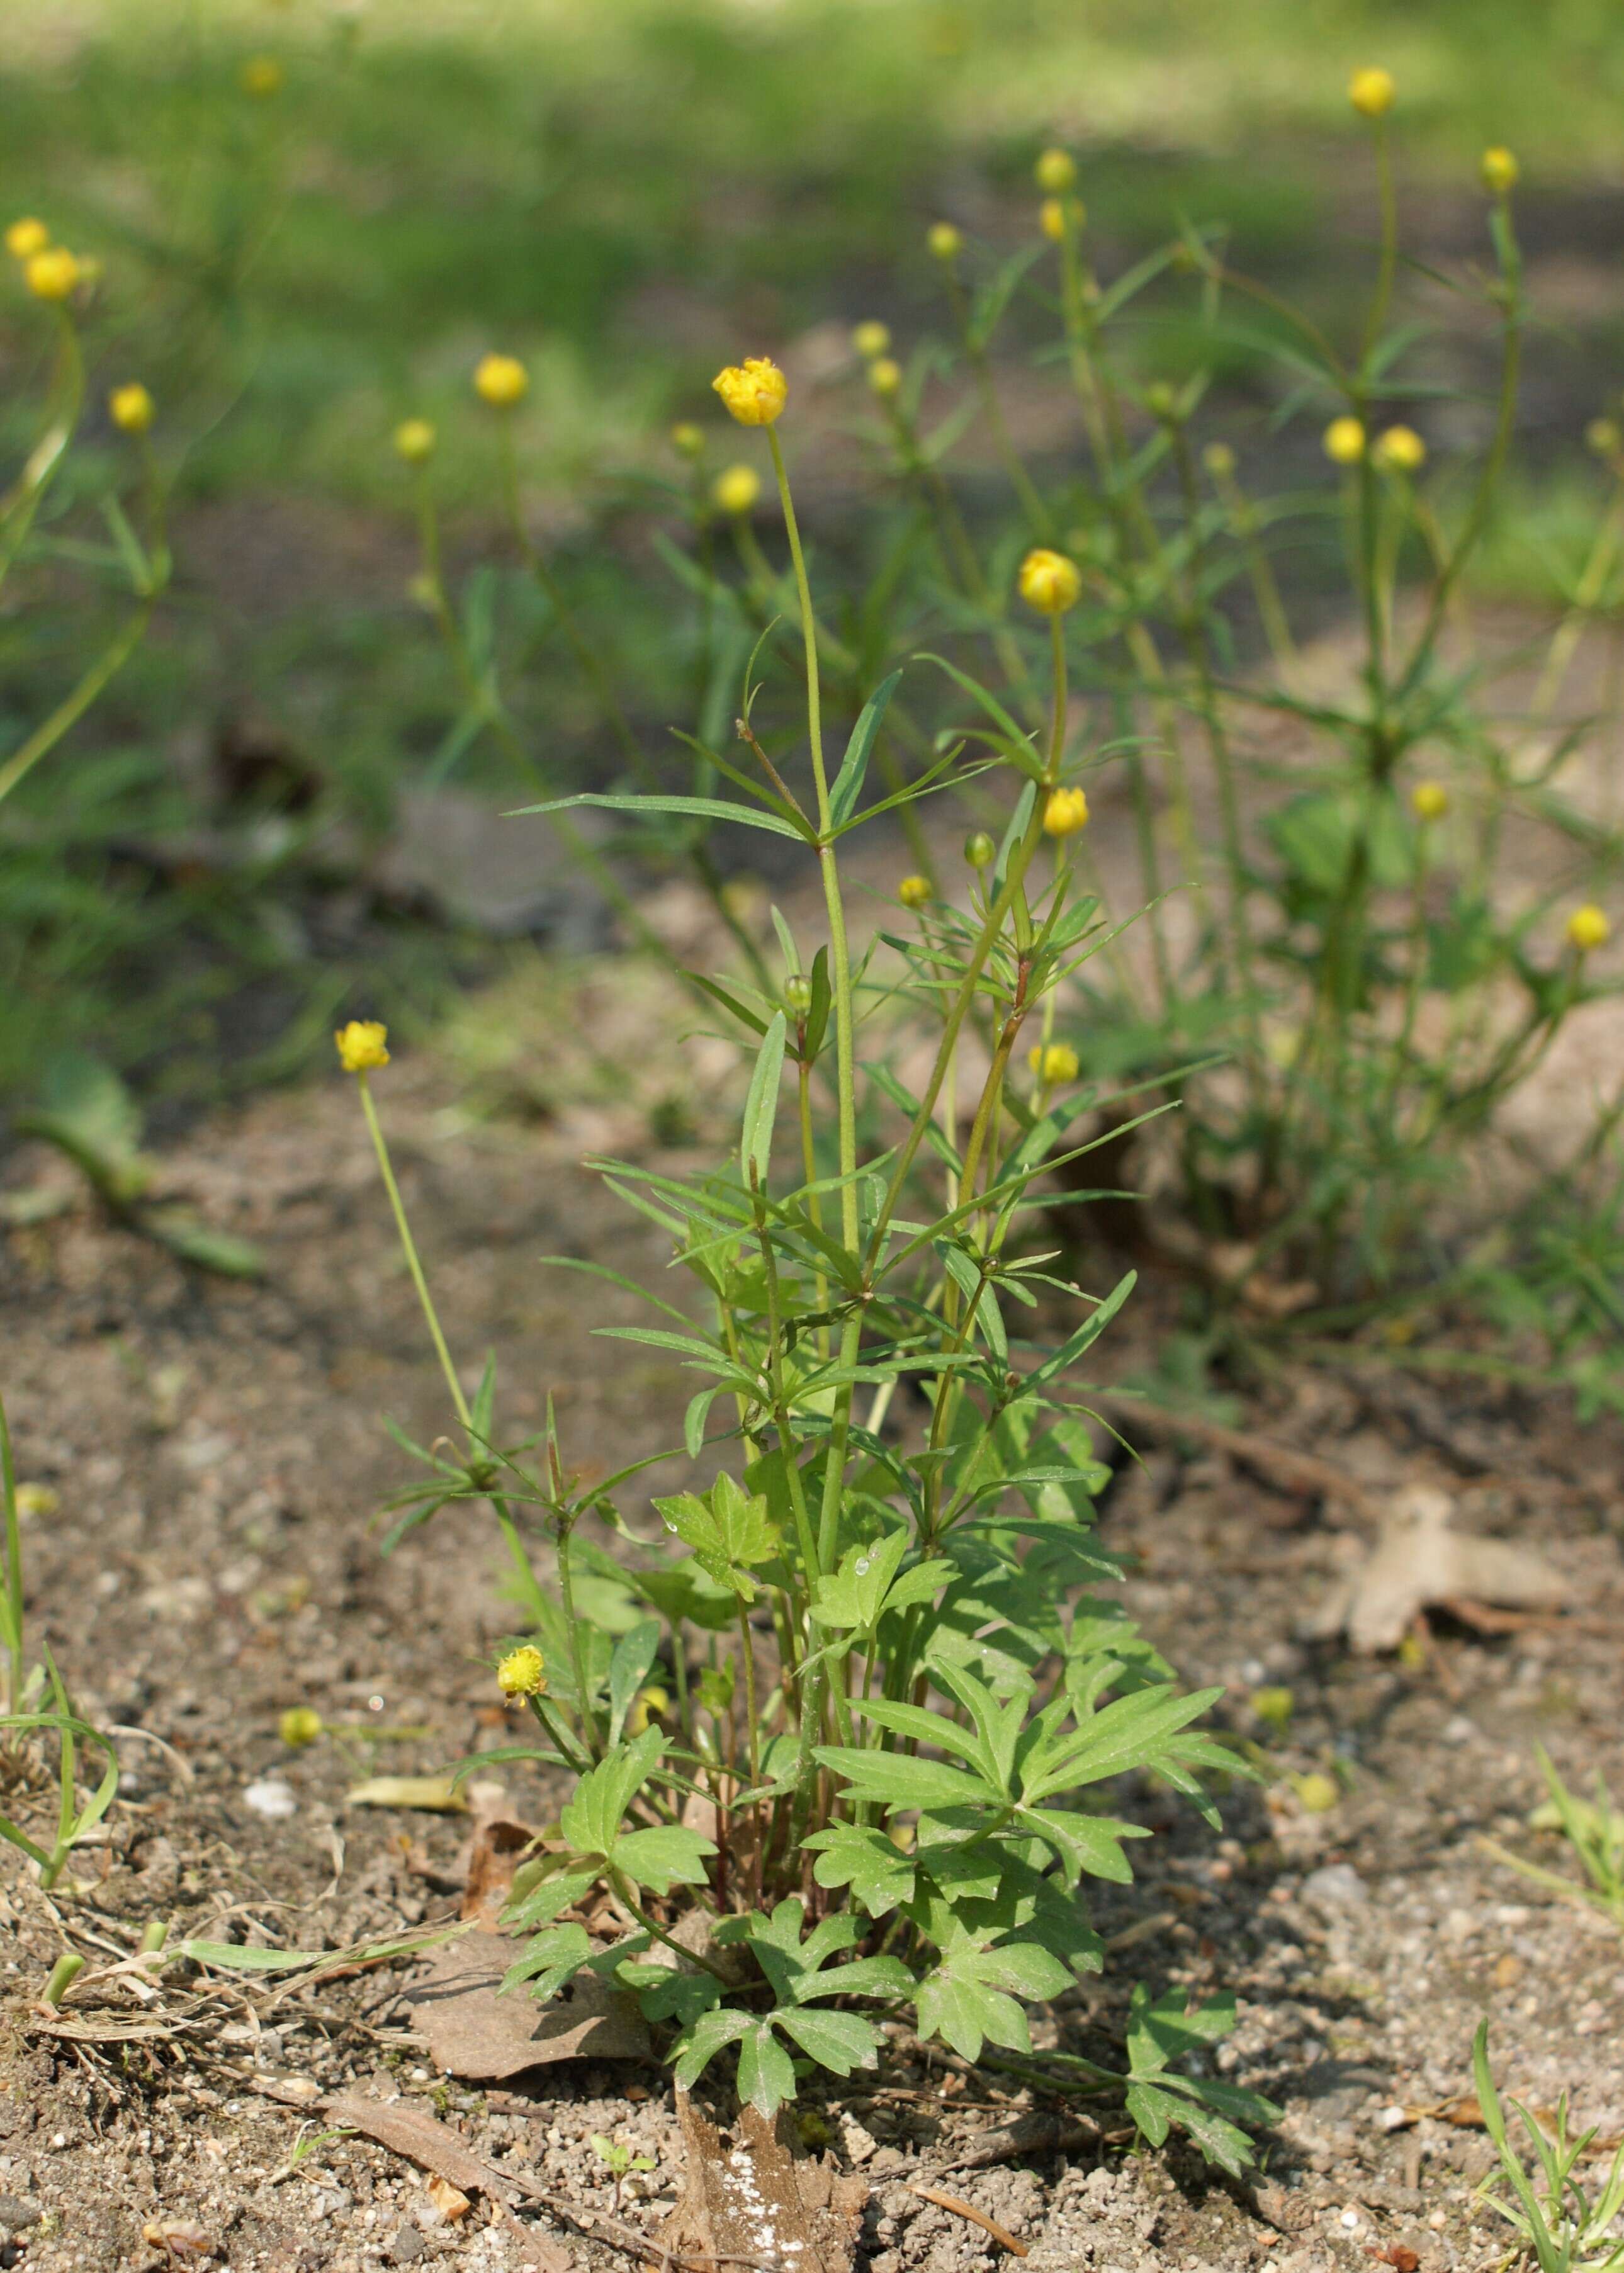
(218, 1455)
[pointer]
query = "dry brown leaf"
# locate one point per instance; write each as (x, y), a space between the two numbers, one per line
(760, 2201)
(473, 2031)
(493, 1858)
(449, 2202)
(1418, 1563)
(179, 2238)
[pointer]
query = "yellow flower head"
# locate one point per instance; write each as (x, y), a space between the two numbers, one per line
(1604, 437)
(1344, 441)
(1055, 1062)
(1429, 800)
(871, 338)
(1066, 812)
(501, 380)
(261, 76)
(1056, 171)
(1500, 169)
(943, 241)
(361, 1046)
(1052, 220)
(25, 237)
(413, 440)
(522, 1672)
(687, 440)
(1049, 581)
(649, 1704)
(885, 376)
(754, 391)
(1371, 92)
(1400, 449)
(1219, 461)
(736, 489)
(300, 1725)
(131, 407)
(1588, 927)
(52, 274)
(914, 891)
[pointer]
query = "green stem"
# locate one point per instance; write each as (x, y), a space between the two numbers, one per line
(413, 1264)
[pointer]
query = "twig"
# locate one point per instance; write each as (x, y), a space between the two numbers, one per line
(943, 2201)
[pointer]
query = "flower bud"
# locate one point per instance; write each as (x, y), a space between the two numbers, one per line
(299, 1725)
(736, 489)
(755, 392)
(871, 338)
(52, 274)
(944, 242)
(1056, 171)
(687, 440)
(914, 891)
(131, 407)
(1219, 461)
(25, 237)
(261, 76)
(361, 1046)
(1371, 92)
(1399, 450)
(798, 993)
(501, 380)
(1344, 441)
(1066, 812)
(1056, 1061)
(979, 850)
(885, 376)
(1500, 169)
(1049, 581)
(413, 440)
(1429, 800)
(1588, 927)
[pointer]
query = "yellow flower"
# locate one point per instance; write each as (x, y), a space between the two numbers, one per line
(1049, 581)
(261, 76)
(1500, 169)
(300, 1725)
(361, 1046)
(522, 1672)
(1587, 927)
(1604, 436)
(131, 407)
(1371, 92)
(1429, 800)
(25, 237)
(1055, 1062)
(413, 440)
(1052, 220)
(687, 440)
(885, 376)
(1066, 812)
(914, 891)
(1274, 1706)
(871, 338)
(501, 380)
(1219, 461)
(52, 274)
(1055, 170)
(648, 1703)
(736, 488)
(944, 242)
(755, 392)
(1344, 441)
(1400, 449)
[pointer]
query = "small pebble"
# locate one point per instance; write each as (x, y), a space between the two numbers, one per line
(271, 1797)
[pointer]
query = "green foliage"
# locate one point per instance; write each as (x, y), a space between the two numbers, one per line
(1562, 2223)
(1594, 1830)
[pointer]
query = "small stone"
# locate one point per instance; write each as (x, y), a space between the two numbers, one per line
(271, 1797)
(406, 2246)
(15, 2214)
(1334, 1886)
(1507, 1972)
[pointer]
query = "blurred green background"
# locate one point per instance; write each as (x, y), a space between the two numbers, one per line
(625, 195)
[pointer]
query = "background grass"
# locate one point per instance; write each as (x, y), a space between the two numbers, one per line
(620, 194)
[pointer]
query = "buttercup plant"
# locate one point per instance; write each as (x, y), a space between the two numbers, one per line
(838, 1724)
